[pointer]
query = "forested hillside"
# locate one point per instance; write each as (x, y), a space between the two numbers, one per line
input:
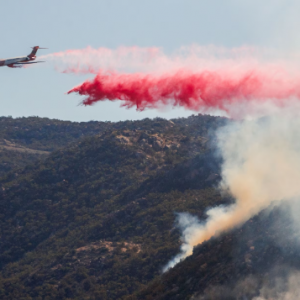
(95, 219)
(26, 140)
(88, 211)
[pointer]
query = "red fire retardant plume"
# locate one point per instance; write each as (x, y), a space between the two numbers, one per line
(195, 91)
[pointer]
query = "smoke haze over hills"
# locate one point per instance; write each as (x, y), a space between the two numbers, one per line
(261, 165)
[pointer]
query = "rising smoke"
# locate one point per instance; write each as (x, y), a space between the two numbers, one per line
(275, 287)
(261, 165)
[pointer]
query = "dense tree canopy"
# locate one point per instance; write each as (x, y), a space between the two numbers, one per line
(94, 218)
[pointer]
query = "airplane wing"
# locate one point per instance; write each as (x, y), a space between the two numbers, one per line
(28, 63)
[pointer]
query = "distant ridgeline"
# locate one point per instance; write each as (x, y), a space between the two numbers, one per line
(24, 140)
(87, 210)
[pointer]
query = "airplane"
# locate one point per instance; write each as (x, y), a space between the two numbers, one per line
(18, 62)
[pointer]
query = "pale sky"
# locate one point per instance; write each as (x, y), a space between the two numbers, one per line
(169, 24)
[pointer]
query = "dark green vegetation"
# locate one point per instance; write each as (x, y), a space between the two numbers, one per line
(45, 134)
(26, 140)
(94, 217)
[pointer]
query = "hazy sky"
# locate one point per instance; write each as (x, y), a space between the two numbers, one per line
(169, 24)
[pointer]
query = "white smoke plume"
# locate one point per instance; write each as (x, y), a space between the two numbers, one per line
(261, 165)
(289, 290)
(251, 288)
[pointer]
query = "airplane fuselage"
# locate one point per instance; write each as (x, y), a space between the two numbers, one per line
(11, 61)
(19, 62)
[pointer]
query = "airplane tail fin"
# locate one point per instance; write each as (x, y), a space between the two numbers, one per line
(34, 51)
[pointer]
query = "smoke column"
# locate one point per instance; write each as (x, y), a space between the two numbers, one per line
(261, 165)
(250, 288)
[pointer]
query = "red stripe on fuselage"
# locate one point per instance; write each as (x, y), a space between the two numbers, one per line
(2, 63)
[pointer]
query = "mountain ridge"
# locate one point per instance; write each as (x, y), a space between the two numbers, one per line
(101, 194)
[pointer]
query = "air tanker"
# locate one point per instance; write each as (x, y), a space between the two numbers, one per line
(18, 62)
